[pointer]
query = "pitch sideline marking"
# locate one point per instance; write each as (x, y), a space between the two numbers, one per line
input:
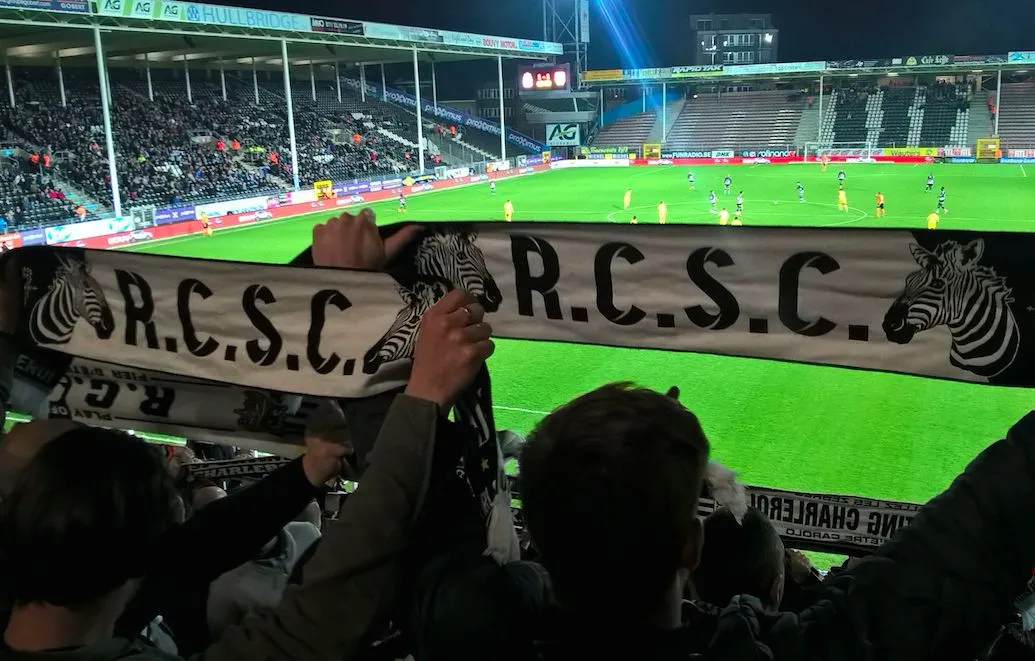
(1023, 171)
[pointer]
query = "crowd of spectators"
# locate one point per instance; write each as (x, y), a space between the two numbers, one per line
(108, 554)
(173, 151)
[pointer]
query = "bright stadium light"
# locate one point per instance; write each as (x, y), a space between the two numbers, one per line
(768, 38)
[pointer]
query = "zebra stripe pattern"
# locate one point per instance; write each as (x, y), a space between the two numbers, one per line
(73, 293)
(951, 289)
(399, 341)
(453, 257)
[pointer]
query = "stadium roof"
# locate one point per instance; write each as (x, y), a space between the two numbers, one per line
(33, 31)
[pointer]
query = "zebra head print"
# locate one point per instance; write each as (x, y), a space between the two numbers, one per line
(952, 289)
(454, 257)
(399, 341)
(73, 293)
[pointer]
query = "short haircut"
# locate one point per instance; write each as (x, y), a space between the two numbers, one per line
(609, 488)
(84, 517)
(739, 558)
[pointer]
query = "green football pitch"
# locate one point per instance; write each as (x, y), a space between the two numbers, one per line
(781, 425)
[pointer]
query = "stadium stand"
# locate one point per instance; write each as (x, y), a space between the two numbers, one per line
(946, 114)
(738, 120)
(900, 115)
(630, 131)
(1017, 115)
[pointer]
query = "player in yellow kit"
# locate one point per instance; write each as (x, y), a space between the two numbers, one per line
(635, 219)
(627, 200)
(724, 217)
(880, 205)
(508, 211)
(932, 220)
(206, 227)
(824, 160)
(662, 212)
(842, 200)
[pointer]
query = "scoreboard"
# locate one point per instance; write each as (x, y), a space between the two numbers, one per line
(545, 78)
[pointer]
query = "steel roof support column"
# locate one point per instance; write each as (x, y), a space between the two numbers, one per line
(420, 120)
(186, 77)
(10, 80)
(312, 79)
(434, 86)
(255, 82)
(503, 122)
(222, 78)
(147, 70)
(290, 113)
(998, 99)
(61, 79)
(337, 81)
(109, 140)
(384, 85)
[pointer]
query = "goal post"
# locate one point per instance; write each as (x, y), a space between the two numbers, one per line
(858, 152)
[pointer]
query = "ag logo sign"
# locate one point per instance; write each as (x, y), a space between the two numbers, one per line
(111, 7)
(563, 135)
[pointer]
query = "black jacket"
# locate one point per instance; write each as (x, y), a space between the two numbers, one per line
(940, 590)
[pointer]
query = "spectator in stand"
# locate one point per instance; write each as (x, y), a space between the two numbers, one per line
(609, 488)
(740, 557)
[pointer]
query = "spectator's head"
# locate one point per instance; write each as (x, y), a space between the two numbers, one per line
(740, 558)
(609, 486)
(76, 532)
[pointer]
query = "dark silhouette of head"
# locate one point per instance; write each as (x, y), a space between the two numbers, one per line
(609, 489)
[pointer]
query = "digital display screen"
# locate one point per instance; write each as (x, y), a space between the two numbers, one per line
(545, 79)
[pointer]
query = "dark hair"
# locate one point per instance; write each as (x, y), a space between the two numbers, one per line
(609, 487)
(739, 558)
(84, 517)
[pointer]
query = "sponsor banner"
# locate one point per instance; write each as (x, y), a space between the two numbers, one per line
(696, 71)
(955, 151)
(722, 153)
(133, 236)
(11, 240)
(458, 173)
(769, 153)
(71, 6)
(597, 161)
(910, 151)
(402, 33)
(1020, 153)
(196, 12)
(1021, 57)
(357, 188)
(606, 149)
(602, 76)
(34, 237)
(702, 153)
(926, 60)
(240, 206)
(419, 179)
(87, 229)
(962, 159)
(174, 215)
(335, 26)
(1017, 161)
(646, 74)
(563, 135)
(775, 68)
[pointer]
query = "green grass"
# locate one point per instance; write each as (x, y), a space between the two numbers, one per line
(779, 424)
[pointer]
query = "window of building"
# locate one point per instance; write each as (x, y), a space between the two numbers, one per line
(765, 55)
(725, 24)
(758, 23)
(704, 26)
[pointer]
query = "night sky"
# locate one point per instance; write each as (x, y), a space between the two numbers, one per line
(809, 29)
